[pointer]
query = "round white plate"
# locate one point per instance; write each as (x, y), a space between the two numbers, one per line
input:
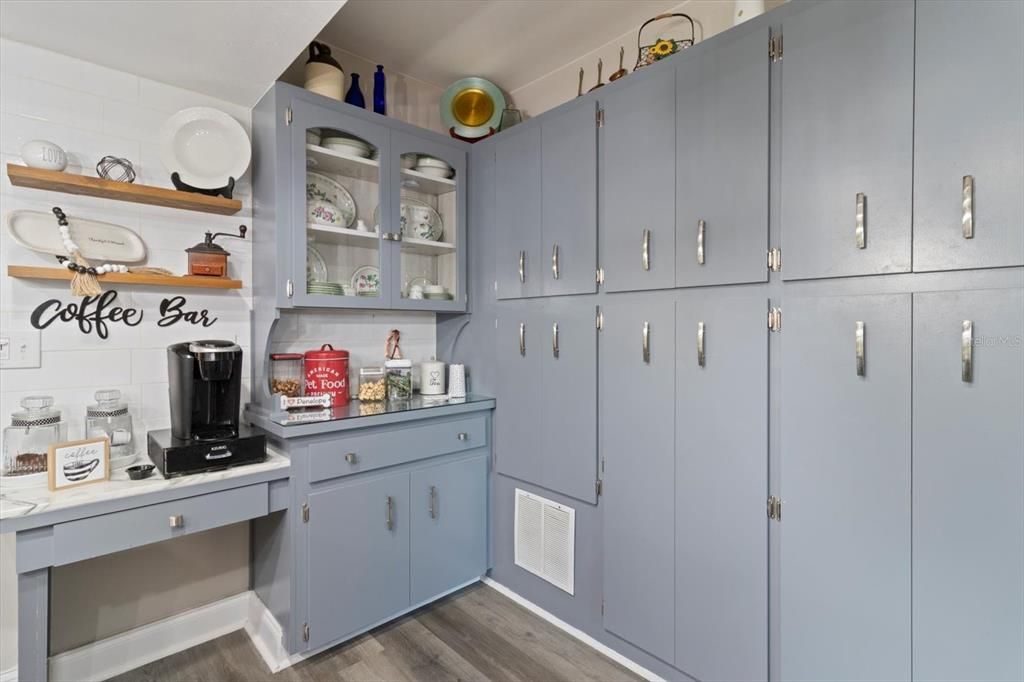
(316, 266)
(320, 186)
(205, 147)
(366, 280)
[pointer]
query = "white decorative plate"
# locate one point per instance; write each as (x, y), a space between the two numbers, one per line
(319, 186)
(98, 241)
(205, 147)
(366, 281)
(316, 266)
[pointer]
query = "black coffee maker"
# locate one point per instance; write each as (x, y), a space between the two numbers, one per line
(205, 387)
(205, 383)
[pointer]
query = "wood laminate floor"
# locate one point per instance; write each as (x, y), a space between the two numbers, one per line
(474, 634)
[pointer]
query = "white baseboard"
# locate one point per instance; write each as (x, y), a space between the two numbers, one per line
(266, 635)
(575, 632)
(129, 650)
(9, 675)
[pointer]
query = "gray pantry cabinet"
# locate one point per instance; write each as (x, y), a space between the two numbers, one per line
(845, 481)
(637, 427)
(721, 474)
(547, 366)
(847, 138)
(517, 213)
(968, 499)
(968, 135)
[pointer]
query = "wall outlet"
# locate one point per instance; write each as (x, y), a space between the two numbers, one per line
(19, 349)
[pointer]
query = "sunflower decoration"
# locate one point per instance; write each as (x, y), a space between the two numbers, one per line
(663, 48)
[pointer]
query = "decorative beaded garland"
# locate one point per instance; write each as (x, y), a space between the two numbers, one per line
(72, 248)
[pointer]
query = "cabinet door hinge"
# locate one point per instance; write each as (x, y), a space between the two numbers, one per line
(774, 508)
(774, 260)
(288, 116)
(305, 632)
(775, 48)
(599, 321)
(774, 319)
(289, 288)
(599, 276)
(599, 487)
(305, 512)
(599, 118)
(602, 607)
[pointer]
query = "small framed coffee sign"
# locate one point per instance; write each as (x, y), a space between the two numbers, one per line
(78, 462)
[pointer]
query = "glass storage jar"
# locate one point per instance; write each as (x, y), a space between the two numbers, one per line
(399, 379)
(110, 417)
(29, 437)
(286, 377)
(372, 384)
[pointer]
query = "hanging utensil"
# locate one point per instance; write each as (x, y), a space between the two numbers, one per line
(621, 71)
(579, 90)
(600, 65)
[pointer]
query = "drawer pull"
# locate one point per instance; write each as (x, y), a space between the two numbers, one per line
(967, 352)
(700, 343)
(646, 351)
(177, 521)
(859, 348)
(968, 207)
(554, 261)
(645, 256)
(388, 522)
(522, 267)
(522, 338)
(701, 227)
(554, 339)
(219, 455)
(351, 458)
(463, 436)
(862, 207)
(433, 501)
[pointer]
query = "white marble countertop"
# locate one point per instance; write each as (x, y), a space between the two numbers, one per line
(21, 502)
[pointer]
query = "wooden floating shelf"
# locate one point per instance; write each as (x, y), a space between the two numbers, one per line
(34, 272)
(70, 183)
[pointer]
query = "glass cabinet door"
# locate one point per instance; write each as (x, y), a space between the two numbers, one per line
(338, 255)
(428, 228)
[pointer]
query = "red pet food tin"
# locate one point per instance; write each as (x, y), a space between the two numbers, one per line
(327, 373)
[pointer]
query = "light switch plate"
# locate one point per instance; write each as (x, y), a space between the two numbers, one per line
(19, 349)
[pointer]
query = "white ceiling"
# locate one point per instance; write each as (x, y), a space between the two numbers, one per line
(231, 49)
(511, 42)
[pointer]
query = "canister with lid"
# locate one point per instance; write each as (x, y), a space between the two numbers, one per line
(327, 373)
(28, 439)
(110, 417)
(286, 377)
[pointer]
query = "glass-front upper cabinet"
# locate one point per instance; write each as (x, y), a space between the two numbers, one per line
(337, 213)
(428, 224)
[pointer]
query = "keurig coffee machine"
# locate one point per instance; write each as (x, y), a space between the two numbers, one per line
(205, 387)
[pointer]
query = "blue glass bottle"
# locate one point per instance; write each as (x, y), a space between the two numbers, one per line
(355, 95)
(379, 103)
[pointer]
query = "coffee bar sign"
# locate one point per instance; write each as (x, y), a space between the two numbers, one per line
(95, 314)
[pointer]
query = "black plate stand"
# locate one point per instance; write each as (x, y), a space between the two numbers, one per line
(226, 191)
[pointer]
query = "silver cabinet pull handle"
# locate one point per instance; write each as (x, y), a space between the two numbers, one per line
(859, 348)
(387, 519)
(433, 498)
(647, 342)
(646, 255)
(177, 521)
(522, 338)
(554, 339)
(463, 436)
(700, 343)
(967, 352)
(701, 227)
(351, 458)
(554, 261)
(862, 207)
(968, 209)
(522, 267)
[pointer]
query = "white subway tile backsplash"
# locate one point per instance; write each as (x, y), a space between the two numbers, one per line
(18, 59)
(47, 102)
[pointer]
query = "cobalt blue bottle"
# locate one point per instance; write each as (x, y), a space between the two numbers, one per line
(355, 95)
(379, 103)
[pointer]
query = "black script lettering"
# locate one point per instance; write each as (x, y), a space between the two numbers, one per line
(91, 314)
(171, 313)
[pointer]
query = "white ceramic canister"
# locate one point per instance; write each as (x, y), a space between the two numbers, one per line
(432, 377)
(324, 74)
(456, 381)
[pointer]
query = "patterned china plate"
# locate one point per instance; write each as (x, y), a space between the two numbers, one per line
(320, 186)
(366, 281)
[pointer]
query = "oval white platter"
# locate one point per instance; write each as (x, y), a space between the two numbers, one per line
(98, 241)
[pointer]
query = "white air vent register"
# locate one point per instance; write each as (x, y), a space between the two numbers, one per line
(545, 539)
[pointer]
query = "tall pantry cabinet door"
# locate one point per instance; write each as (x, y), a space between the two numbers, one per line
(569, 398)
(638, 184)
(969, 485)
(569, 200)
(448, 512)
(845, 487)
(358, 556)
(518, 268)
(968, 158)
(520, 352)
(847, 135)
(637, 391)
(722, 162)
(721, 485)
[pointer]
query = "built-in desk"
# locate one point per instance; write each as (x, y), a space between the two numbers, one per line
(57, 528)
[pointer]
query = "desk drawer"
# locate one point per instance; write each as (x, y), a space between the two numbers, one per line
(392, 445)
(98, 535)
